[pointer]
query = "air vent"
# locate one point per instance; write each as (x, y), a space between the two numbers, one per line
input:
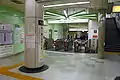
(17, 1)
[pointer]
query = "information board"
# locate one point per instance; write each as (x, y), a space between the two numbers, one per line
(6, 34)
(6, 50)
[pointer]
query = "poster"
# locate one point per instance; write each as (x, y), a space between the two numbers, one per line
(8, 38)
(6, 34)
(22, 35)
(1, 38)
(30, 41)
(1, 27)
(31, 28)
(30, 35)
(8, 27)
(19, 35)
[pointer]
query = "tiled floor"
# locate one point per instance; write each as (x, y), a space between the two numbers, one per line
(3, 77)
(12, 60)
(73, 66)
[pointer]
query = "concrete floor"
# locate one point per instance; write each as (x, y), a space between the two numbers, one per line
(73, 66)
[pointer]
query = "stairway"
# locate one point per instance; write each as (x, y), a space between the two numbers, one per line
(112, 36)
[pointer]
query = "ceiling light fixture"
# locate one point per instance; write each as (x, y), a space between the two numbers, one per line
(90, 15)
(78, 29)
(15, 15)
(80, 13)
(66, 15)
(69, 21)
(50, 13)
(67, 4)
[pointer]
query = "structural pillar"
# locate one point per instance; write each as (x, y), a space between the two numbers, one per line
(101, 38)
(33, 60)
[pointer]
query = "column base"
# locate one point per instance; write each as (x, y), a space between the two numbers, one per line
(33, 70)
(117, 78)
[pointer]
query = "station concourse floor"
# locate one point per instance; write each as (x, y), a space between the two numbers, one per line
(64, 66)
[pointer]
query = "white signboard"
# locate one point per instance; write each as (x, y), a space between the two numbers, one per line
(6, 50)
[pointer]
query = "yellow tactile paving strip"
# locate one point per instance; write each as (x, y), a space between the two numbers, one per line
(111, 52)
(5, 71)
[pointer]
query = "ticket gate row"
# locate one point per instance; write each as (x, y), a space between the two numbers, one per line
(90, 46)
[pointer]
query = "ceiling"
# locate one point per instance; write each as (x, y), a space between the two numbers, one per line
(68, 14)
(19, 4)
(110, 1)
(15, 4)
(74, 11)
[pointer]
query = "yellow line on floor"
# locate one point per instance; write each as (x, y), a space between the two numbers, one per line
(5, 71)
(15, 66)
(111, 52)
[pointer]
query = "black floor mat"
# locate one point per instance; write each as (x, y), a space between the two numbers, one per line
(117, 78)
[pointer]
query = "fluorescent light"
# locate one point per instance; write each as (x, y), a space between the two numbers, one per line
(47, 15)
(65, 13)
(80, 13)
(77, 29)
(90, 15)
(67, 4)
(69, 21)
(52, 14)
(55, 14)
(15, 15)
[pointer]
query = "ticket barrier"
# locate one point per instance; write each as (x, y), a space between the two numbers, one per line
(79, 44)
(68, 45)
(76, 47)
(48, 43)
(91, 46)
(87, 46)
(58, 44)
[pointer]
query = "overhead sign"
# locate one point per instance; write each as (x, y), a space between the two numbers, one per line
(116, 8)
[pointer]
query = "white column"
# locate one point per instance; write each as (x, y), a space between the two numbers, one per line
(33, 34)
(33, 60)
